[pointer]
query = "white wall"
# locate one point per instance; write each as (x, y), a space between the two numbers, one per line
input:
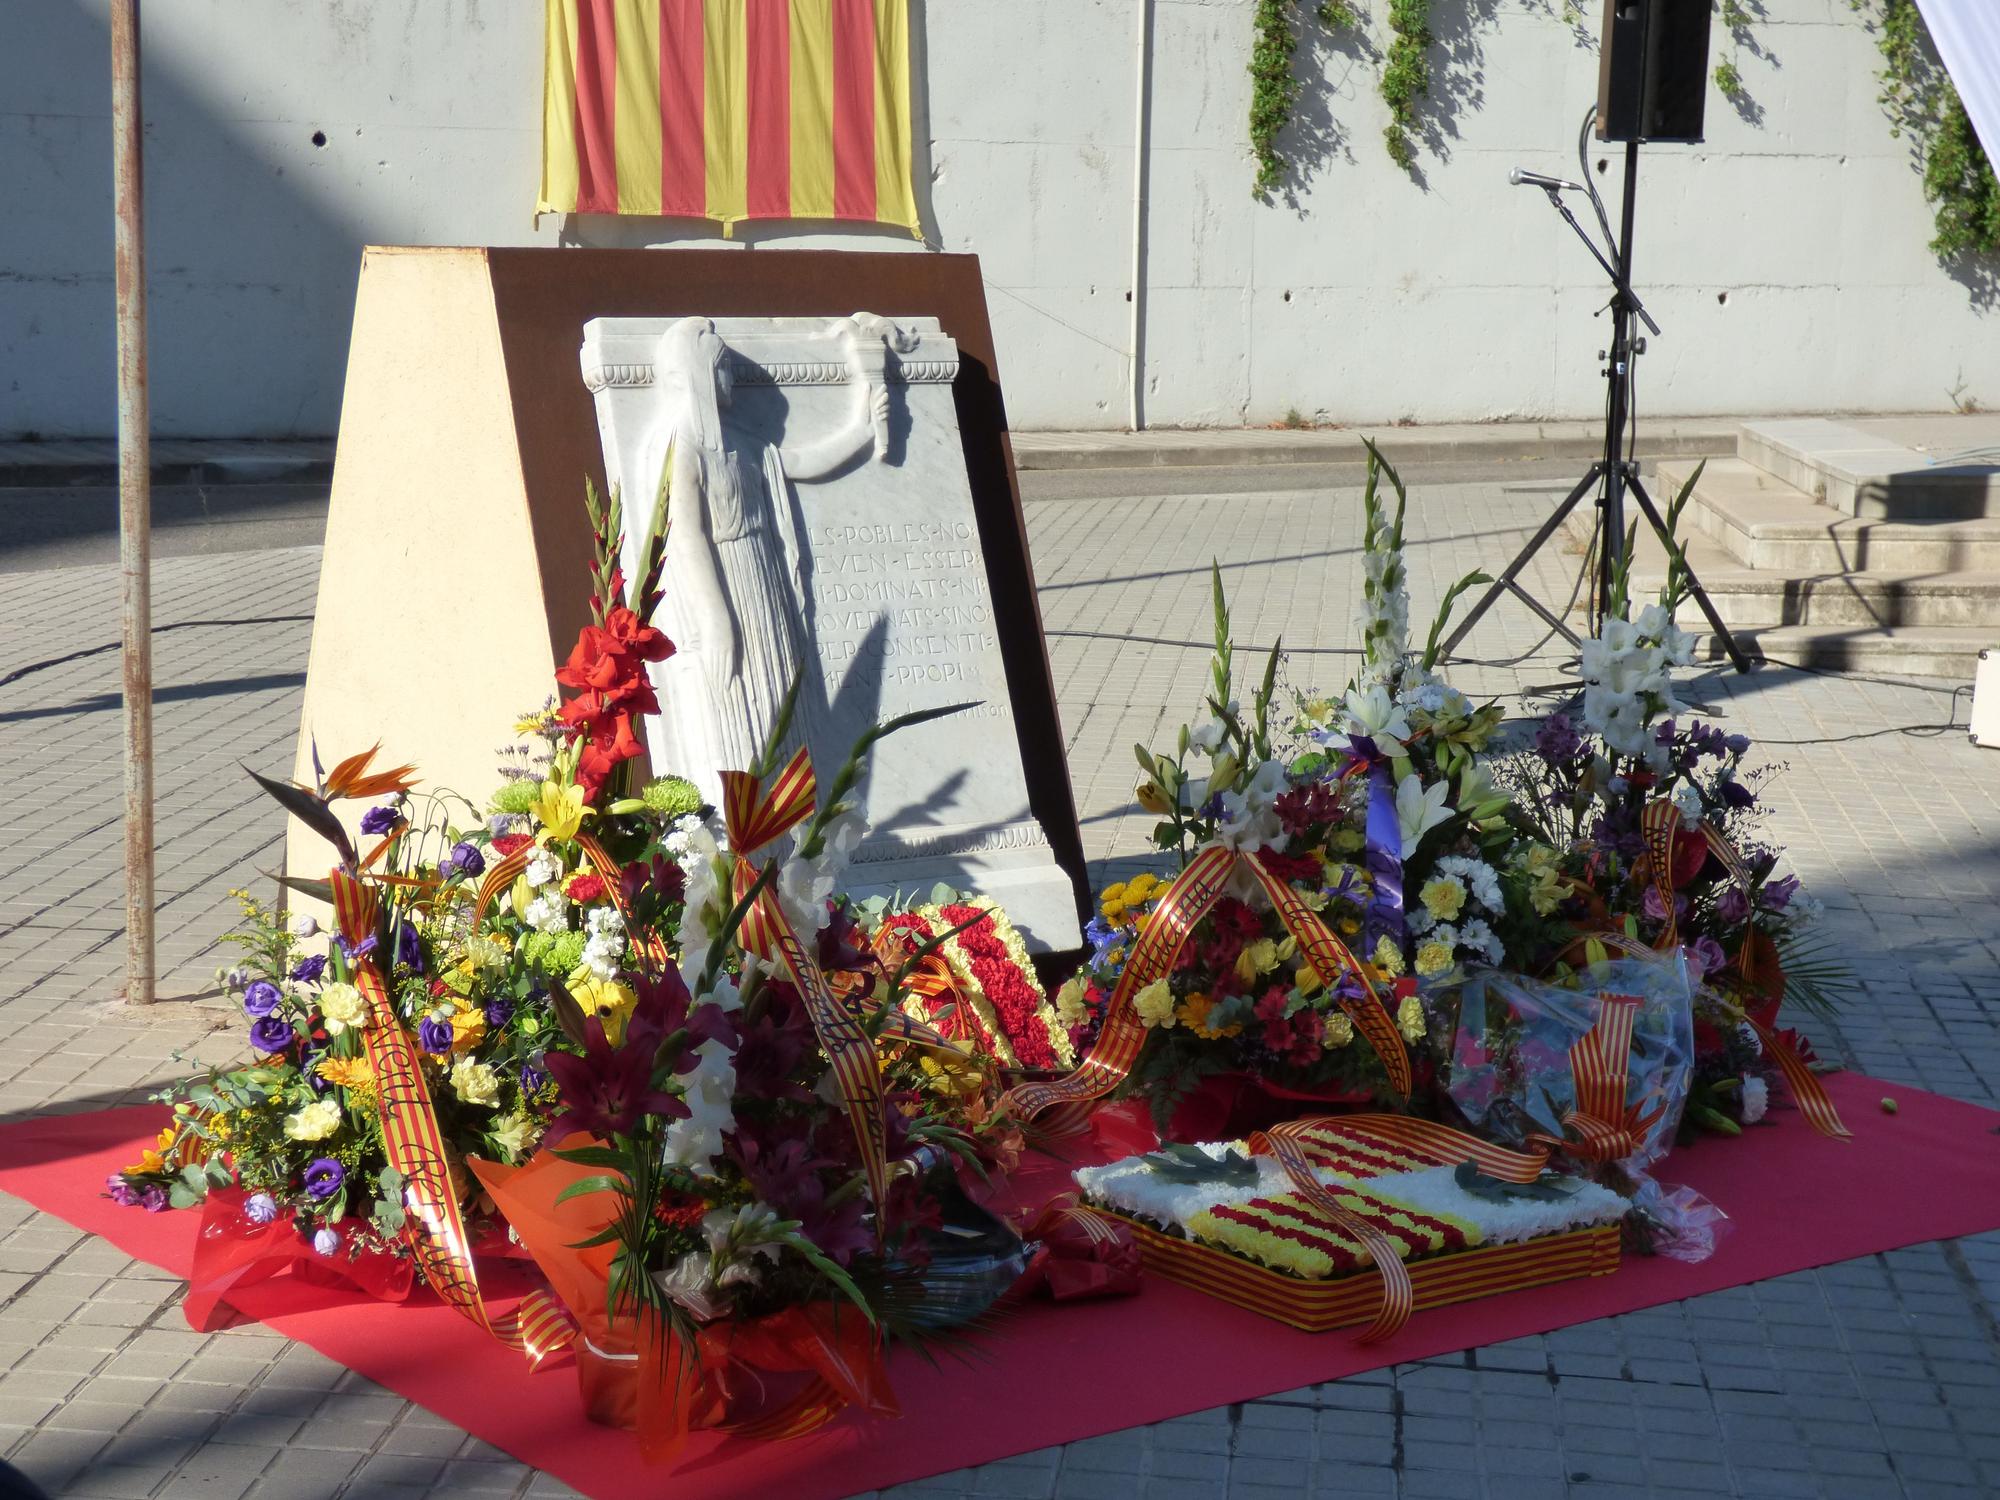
(1369, 298)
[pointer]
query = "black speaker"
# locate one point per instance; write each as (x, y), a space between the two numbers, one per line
(1652, 74)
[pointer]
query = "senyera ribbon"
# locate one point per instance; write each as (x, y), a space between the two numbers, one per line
(1166, 933)
(754, 816)
(433, 1225)
(1601, 1128)
(1660, 822)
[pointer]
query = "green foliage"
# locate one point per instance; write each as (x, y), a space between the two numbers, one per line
(1728, 79)
(1958, 178)
(1273, 90)
(1406, 76)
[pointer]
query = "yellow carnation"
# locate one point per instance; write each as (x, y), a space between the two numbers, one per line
(1444, 898)
(1387, 956)
(1337, 1032)
(1347, 840)
(1070, 1009)
(510, 1135)
(313, 1122)
(1433, 957)
(475, 1082)
(1410, 1019)
(341, 1006)
(1155, 1004)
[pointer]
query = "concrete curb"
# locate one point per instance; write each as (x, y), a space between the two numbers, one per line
(60, 465)
(1496, 442)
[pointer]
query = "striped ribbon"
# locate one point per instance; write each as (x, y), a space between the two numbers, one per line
(432, 1225)
(1603, 1130)
(1167, 931)
(754, 817)
(1658, 821)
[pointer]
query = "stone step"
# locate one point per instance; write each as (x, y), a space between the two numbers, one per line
(1910, 651)
(1762, 522)
(1756, 598)
(1866, 471)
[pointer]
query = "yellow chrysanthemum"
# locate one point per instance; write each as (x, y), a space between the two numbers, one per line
(559, 810)
(1443, 897)
(1433, 957)
(1154, 1005)
(1410, 1019)
(1142, 888)
(1194, 1014)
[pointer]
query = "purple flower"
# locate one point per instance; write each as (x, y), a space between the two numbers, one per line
(465, 859)
(309, 1065)
(1734, 794)
(324, 1176)
(409, 949)
(1777, 894)
(327, 1241)
(532, 1078)
(260, 1208)
(154, 1200)
(120, 1191)
(434, 1036)
(355, 952)
(309, 969)
(261, 999)
(1656, 909)
(1705, 957)
(1738, 744)
(1557, 739)
(1664, 735)
(1732, 907)
(498, 1012)
(272, 1035)
(379, 820)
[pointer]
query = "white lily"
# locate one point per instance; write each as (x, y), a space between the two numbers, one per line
(1420, 808)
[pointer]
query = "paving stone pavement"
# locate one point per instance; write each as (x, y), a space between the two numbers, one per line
(1878, 1377)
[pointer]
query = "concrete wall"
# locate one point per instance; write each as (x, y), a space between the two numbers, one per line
(1785, 258)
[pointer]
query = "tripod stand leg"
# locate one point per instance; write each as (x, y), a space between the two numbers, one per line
(1505, 582)
(1736, 657)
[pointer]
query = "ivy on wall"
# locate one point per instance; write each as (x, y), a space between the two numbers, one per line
(1921, 101)
(1959, 179)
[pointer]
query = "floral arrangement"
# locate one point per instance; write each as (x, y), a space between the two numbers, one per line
(993, 1002)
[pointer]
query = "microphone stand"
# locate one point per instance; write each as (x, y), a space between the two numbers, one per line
(1617, 474)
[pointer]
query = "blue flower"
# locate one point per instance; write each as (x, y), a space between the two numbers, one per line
(261, 999)
(355, 952)
(309, 969)
(498, 1012)
(272, 1035)
(327, 1241)
(434, 1036)
(260, 1208)
(379, 820)
(465, 859)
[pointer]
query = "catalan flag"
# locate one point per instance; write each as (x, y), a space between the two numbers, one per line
(729, 110)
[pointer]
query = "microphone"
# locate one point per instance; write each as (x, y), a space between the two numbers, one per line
(1520, 178)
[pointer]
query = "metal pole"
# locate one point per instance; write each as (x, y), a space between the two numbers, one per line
(1141, 169)
(135, 540)
(1612, 537)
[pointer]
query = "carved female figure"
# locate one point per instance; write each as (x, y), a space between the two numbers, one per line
(734, 570)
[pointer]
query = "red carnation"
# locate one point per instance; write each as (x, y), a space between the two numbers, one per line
(509, 843)
(585, 888)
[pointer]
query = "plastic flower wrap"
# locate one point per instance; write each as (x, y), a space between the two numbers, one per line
(1511, 1073)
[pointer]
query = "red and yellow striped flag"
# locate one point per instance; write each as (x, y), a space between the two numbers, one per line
(729, 109)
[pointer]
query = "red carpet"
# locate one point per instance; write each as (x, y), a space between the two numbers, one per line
(1931, 1171)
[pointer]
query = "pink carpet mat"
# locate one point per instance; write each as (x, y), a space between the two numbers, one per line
(1054, 1374)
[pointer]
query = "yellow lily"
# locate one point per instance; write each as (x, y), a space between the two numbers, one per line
(560, 810)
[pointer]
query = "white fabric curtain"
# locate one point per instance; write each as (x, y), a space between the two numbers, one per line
(1967, 33)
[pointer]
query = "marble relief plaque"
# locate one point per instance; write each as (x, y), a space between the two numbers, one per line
(822, 523)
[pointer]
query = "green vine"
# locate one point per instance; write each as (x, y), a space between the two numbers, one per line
(1958, 177)
(1273, 90)
(1406, 76)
